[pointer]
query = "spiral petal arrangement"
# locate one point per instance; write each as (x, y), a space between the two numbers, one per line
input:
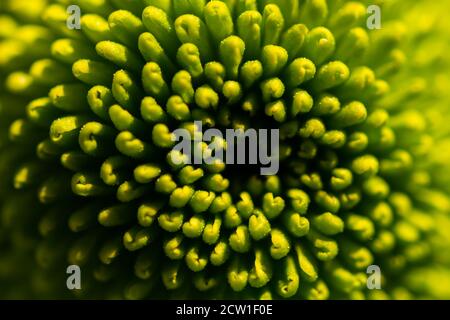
(87, 170)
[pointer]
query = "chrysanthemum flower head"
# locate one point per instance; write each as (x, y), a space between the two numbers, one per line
(88, 170)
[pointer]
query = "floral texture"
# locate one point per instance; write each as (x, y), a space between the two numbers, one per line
(86, 161)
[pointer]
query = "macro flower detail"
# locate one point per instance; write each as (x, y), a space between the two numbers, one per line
(90, 176)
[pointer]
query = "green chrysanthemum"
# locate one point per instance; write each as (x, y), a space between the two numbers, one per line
(87, 176)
